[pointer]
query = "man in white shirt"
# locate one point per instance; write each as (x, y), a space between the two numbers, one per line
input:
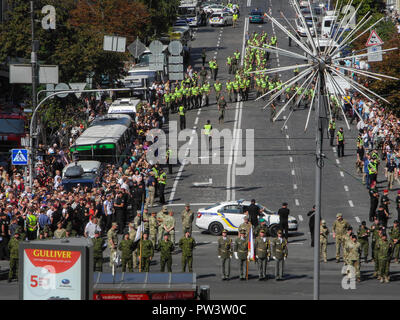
(108, 211)
(91, 228)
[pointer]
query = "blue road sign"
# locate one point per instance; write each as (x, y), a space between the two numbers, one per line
(19, 157)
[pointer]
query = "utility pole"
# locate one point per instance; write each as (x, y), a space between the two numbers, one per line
(35, 80)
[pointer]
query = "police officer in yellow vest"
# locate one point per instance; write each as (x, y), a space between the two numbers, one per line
(31, 226)
(162, 181)
(340, 142)
(332, 128)
(182, 118)
(207, 132)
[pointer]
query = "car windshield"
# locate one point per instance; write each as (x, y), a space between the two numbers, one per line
(149, 74)
(256, 13)
(218, 15)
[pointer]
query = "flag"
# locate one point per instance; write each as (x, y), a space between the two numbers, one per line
(140, 230)
(251, 244)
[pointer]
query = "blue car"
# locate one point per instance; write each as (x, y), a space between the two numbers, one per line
(256, 17)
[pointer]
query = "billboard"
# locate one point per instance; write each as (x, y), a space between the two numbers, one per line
(54, 270)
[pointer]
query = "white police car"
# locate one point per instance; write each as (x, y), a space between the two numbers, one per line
(230, 215)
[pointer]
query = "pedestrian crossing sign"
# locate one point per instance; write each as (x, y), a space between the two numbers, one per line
(19, 157)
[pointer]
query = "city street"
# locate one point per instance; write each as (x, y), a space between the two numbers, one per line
(284, 171)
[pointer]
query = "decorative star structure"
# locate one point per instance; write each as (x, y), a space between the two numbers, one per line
(324, 54)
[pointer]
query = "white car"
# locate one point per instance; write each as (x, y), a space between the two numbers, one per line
(221, 19)
(216, 8)
(230, 215)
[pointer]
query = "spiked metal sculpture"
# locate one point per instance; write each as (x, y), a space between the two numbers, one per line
(323, 62)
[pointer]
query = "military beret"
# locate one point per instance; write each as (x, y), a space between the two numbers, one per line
(349, 228)
(284, 204)
(386, 190)
(339, 215)
(187, 204)
(396, 221)
(363, 223)
(398, 192)
(262, 230)
(126, 233)
(146, 231)
(323, 222)
(279, 232)
(242, 231)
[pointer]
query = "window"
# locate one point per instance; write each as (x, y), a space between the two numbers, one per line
(232, 209)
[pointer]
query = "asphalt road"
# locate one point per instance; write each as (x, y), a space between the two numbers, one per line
(284, 170)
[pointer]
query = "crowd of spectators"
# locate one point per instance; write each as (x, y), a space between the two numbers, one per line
(47, 210)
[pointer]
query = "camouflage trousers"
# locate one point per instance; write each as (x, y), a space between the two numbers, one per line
(187, 261)
(98, 264)
(127, 261)
(339, 246)
(383, 267)
(323, 249)
(14, 263)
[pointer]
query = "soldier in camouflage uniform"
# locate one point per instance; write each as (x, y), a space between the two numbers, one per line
(153, 229)
(112, 242)
(187, 244)
(126, 248)
(263, 251)
(241, 251)
(374, 231)
(187, 216)
(323, 240)
(13, 247)
(383, 253)
(246, 225)
(98, 248)
(146, 252)
(225, 254)
(363, 235)
(262, 225)
(169, 225)
(353, 256)
(132, 229)
(395, 237)
(376, 238)
(279, 252)
(160, 218)
(339, 229)
(347, 241)
(166, 248)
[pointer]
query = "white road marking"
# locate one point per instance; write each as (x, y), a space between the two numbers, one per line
(197, 184)
(297, 202)
(196, 121)
(287, 136)
(300, 218)
(346, 188)
(285, 127)
(294, 186)
(290, 159)
(284, 117)
(358, 219)
(351, 203)
(293, 173)
(231, 172)
(337, 161)
(342, 174)
(288, 147)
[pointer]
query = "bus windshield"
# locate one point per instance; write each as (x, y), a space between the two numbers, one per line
(187, 11)
(16, 126)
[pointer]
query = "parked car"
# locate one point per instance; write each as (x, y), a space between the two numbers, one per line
(229, 215)
(221, 19)
(256, 16)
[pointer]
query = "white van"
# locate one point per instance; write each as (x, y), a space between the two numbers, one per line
(124, 106)
(327, 25)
